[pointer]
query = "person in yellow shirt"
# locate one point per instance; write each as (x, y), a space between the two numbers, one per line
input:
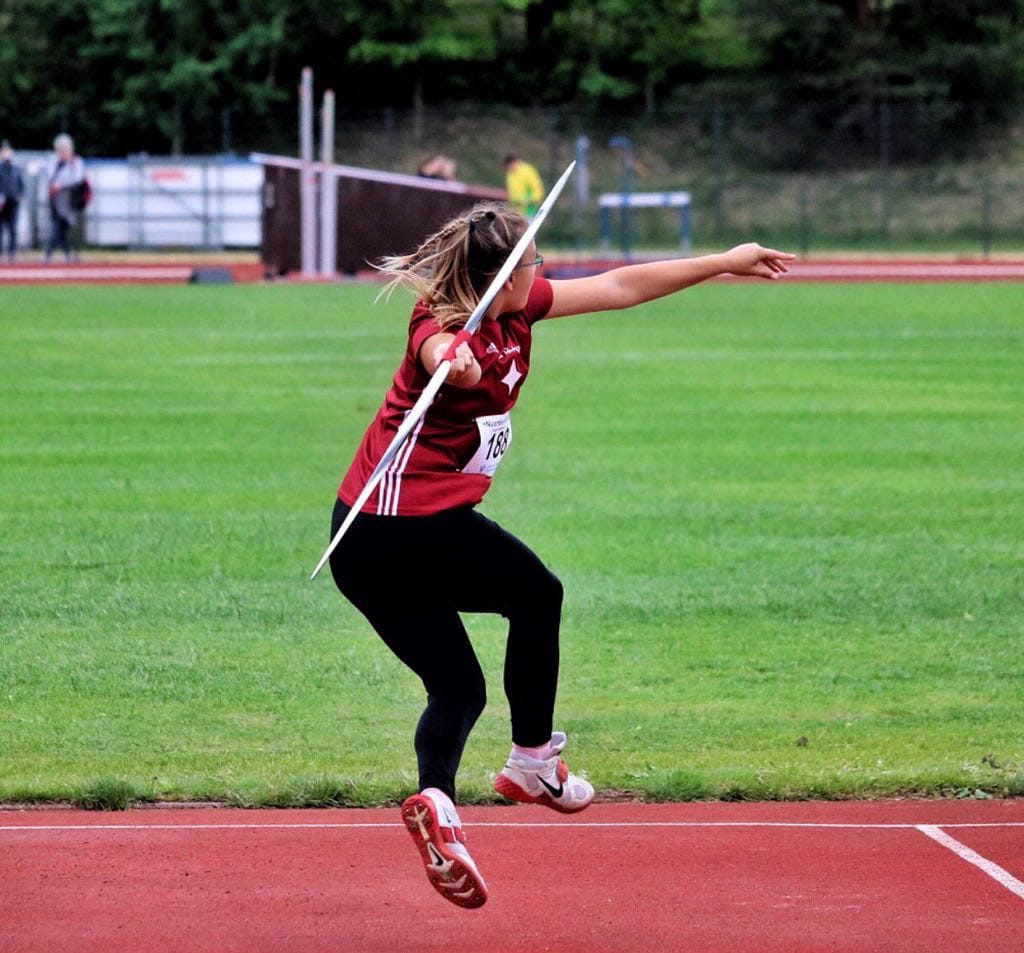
(525, 188)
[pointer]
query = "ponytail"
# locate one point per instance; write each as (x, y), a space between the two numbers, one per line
(450, 270)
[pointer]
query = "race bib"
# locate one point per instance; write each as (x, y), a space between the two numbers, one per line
(495, 439)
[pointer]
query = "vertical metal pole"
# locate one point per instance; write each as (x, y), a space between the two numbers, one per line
(206, 206)
(627, 212)
(582, 192)
(884, 142)
(307, 181)
(718, 159)
(328, 191)
(606, 228)
(986, 218)
(625, 145)
(140, 201)
(805, 222)
(220, 205)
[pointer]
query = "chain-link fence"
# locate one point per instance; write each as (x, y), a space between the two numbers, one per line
(918, 211)
(868, 187)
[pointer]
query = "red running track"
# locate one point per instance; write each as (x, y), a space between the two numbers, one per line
(893, 876)
(121, 272)
(809, 269)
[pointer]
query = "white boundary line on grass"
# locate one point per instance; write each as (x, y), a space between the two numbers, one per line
(989, 867)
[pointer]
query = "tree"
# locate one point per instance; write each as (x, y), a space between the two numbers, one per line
(46, 86)
(417, 36)
(178, 63)
(126, 75)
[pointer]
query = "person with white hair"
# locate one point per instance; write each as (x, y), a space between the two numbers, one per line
(65, 174)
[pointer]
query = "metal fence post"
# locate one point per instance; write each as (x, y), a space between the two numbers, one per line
(718, 152)
(328, 191)
(625, 144)
(581, 193)
(137, 164)
(805, 224)
(884, 143)
(307, 186)
(986, 217)
(206, 206)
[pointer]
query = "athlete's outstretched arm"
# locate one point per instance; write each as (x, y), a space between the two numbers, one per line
(634, 284)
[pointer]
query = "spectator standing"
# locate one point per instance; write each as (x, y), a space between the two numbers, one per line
(525, 188)
(12, 190)
(65, 173)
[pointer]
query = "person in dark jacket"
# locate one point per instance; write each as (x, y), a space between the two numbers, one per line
(12, 190)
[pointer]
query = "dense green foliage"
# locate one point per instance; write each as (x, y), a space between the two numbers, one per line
(159, 75)
(788, 519)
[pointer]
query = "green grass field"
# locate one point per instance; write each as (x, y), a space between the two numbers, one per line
(789, 519)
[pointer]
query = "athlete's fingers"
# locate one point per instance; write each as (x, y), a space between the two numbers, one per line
(463, 358)
(772, 263)
(780, 255)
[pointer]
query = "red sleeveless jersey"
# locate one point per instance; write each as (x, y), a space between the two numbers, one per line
(460, 430)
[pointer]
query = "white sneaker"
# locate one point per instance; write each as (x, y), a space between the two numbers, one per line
(437, 832)
(547, 781)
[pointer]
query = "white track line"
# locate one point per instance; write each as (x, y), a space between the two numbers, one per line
(996, 872)
(389, 825)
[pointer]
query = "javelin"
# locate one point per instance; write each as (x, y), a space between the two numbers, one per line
(441, 374)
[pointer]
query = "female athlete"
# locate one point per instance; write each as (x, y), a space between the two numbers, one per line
(423, 515)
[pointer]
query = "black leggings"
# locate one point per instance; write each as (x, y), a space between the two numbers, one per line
(411, 577)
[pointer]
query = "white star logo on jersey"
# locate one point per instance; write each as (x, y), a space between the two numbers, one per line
(512, 377)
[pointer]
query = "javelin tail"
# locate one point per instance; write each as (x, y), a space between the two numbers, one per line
(397, 442)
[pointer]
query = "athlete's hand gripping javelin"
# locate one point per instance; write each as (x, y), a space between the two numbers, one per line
(464, 371)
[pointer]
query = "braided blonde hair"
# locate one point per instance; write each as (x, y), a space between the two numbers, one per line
(450, 270)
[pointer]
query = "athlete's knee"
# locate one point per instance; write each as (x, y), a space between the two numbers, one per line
(543, 593)
(536, 602)
(555, 591)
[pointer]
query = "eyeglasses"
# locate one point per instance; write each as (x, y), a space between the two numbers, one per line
(535, 263)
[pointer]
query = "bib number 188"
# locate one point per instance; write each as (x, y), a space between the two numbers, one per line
(495, 439)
